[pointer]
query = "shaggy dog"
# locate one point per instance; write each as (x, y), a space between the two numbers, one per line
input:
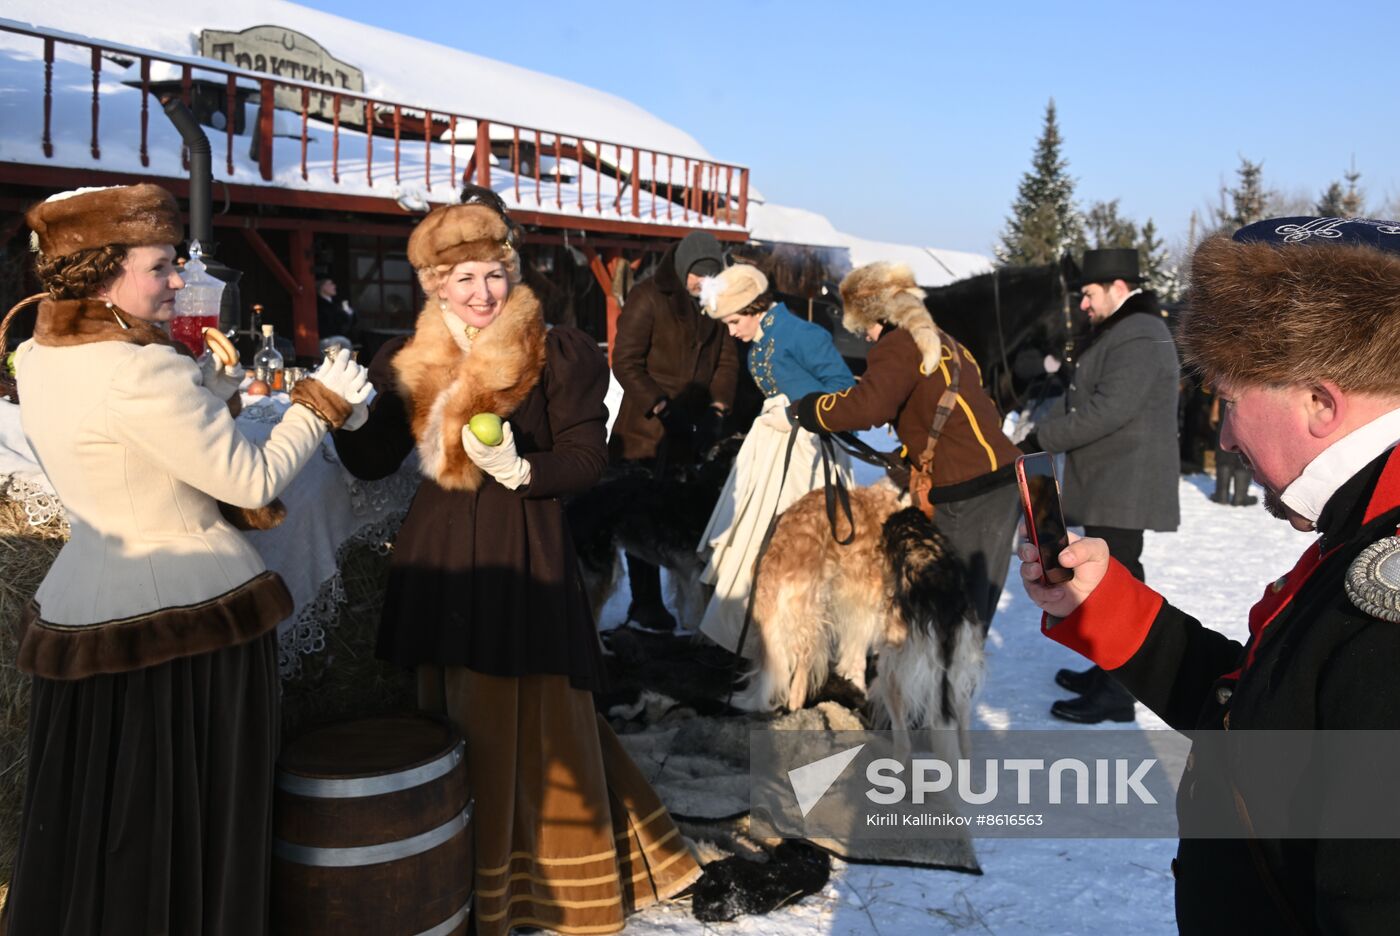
(656, 519)
(894, 589)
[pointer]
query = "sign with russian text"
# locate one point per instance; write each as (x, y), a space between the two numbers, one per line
(286, 53)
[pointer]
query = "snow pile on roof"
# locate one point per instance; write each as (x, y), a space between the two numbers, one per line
(932, 266)
(397, 67)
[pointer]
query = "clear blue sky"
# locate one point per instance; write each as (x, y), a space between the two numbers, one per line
(913, 121)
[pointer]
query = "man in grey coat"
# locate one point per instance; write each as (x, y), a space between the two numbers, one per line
(1118, 432)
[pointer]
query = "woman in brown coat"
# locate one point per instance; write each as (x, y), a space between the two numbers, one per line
(484, 596)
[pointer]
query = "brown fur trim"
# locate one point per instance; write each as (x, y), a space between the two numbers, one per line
(446, 388)
(330, 406)
(67, 322)
(1275, 315)
(886, 292)
(129, 215)
(53, 651)
(254, 518)
(453, 234)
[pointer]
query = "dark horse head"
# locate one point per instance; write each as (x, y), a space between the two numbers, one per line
(1010, 319)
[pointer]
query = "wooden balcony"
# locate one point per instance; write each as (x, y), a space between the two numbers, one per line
(283, 142)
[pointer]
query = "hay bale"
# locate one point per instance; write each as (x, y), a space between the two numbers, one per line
(26, 552)
(347, 680)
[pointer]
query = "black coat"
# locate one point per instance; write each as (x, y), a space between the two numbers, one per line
(1118, 426)
(667, 348)
(488, 578)
(1314, 661)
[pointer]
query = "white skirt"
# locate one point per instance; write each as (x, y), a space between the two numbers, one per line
(754, 492)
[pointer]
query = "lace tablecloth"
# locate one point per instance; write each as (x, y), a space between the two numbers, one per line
(328, 512)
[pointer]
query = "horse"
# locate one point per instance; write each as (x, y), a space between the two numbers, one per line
(1009, 319)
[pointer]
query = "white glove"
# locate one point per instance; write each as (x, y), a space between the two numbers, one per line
(359, 413)
(499, 461)
(776, 419)
(345, 378)
(222, 381)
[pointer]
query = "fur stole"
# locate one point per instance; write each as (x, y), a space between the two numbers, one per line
(70, 322)
(445, 387)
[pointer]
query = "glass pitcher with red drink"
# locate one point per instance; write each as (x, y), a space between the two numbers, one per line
(197, 305)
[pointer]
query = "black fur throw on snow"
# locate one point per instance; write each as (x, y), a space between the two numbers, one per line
(736, 886)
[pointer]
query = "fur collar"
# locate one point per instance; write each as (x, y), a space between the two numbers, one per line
(66, 322)
(445, 388)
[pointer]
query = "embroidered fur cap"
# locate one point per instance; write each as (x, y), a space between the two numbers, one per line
(886, 292)
(128, 215)
(732, 291)
(1275, 313)
(456, 234)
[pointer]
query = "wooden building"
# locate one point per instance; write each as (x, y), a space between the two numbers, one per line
(320, 168)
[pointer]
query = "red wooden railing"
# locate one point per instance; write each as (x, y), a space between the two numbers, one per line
(703, 190)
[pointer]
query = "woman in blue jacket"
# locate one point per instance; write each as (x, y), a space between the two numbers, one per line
(788, 358)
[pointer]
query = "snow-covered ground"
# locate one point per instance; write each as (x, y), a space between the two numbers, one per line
(1215, 567)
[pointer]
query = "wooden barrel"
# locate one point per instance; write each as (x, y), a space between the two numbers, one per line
(373, 831)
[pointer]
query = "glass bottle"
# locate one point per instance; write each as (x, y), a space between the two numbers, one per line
(268, 362)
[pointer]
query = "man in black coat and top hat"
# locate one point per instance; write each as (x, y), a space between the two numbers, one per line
(1296, 321)
(1118, 432)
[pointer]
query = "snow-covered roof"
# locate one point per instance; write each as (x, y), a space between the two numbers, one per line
(932, 266)
(397, 67)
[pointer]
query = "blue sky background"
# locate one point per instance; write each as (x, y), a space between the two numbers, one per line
(913, 122)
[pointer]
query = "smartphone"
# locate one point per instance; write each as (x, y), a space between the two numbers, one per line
(1045, 522)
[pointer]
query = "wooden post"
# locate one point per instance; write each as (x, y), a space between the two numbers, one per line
(305, 334)
(483, 154)
(636, 183)
(265, 129)
(604, 275)
(743, 198)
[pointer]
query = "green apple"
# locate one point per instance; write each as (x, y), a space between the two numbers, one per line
(10, 363)
(487, 428)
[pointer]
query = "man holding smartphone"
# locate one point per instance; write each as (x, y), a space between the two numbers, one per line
(1297, 321)
(1117, 431)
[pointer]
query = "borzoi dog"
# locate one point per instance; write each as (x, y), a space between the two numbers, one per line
(894, 590)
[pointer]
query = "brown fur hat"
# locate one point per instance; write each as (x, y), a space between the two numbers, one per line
(1270, 314)
(128, 215)
(454, 234)
(886, 292)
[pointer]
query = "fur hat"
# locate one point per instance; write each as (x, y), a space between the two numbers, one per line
(454, 234)
(886, 292)
(732, 291)
(1273, 313)
(127, 215)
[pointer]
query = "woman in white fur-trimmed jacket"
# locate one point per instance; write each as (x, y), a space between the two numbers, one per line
(152, 640)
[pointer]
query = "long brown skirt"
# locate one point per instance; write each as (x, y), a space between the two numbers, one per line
(148, 801)
(569, 834)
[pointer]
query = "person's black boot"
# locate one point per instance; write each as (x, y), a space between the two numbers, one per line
(647, 609)
(1078, 681)
(1249, 500)
(652, 617)
(1108, 701)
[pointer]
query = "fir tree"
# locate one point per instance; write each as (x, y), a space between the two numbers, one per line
(1354, 201)
(1330, 204)
(1248, 201)
(1044, 222)
(1159, 274)
(1107, 229)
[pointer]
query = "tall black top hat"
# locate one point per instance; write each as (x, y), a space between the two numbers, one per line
(1105, 266)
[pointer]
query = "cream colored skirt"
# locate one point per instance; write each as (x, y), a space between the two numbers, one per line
(755, 491)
